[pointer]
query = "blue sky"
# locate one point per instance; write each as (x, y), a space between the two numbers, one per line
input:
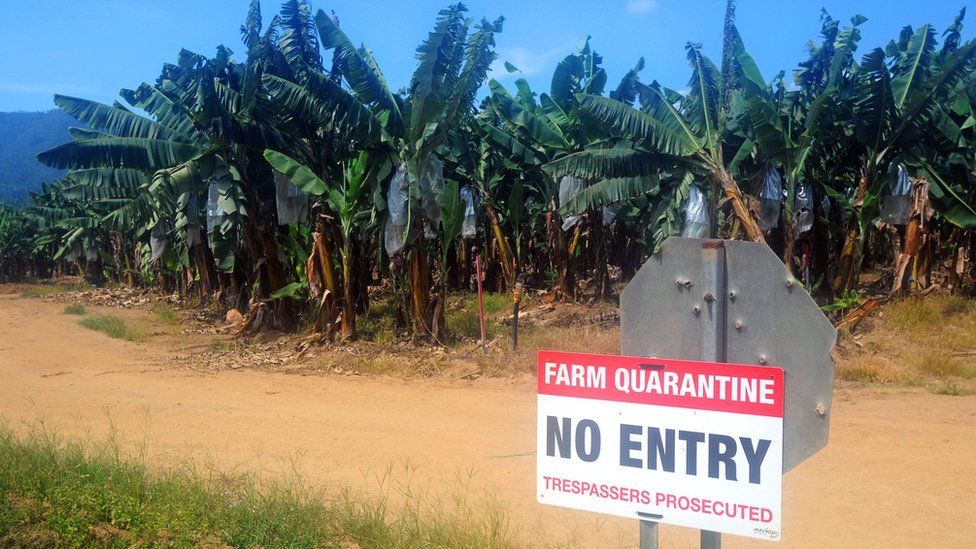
(92, 48)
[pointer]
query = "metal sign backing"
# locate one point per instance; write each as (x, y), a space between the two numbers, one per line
(734, 301)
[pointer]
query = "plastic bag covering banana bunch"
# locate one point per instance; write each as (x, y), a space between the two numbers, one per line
(569, 187)
(895, 205)
(191, 224)
(91, 253)
(74, 255)
(610, 212)
(770, 199)
(431, 194)
(215, 214)
(394, 238)
(697, 224)
(469, 227)
(291, 202)
(159, 239)
(803, 206)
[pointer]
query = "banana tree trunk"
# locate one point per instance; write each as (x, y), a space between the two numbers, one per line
(362, 278)
(911, 269)
(789, 244)
(324, 256)
(849, 267)
(260, 230)
(561, 257)
(505, 256)
(821, 246)
(601, 275)
(789, 225)
(742, 211)
(419, 288)
(960, 258)
(348, 301)
(464, 260)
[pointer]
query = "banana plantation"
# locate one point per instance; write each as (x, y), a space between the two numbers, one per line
(294, 184)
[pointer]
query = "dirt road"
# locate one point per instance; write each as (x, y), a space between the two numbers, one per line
(900, 469)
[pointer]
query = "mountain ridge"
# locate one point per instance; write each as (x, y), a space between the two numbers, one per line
(23, 134)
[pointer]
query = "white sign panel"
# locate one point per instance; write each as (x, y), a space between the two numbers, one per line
(688, 443)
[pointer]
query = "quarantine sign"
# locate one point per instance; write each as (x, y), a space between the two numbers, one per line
(693, 444)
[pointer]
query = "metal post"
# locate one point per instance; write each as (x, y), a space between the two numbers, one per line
(515, 314)
(481, 299)
(713, 324)
(711, 540)
(648, 534)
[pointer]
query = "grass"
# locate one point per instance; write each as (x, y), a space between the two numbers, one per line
(113, 326)
(165, 313)
(947, 387)
(464, 321)
(75, 309)
(379, 323)
(920, 342)
(462, 356)
(65, 494)
(46, 290)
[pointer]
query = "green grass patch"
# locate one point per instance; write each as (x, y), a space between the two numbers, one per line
(75, 309)
(462, 315)
(165, 313)
(113, 326)
(495, 303)
(45, 290)
(63, 494)
(466, 323)
(379, 323)
(947, 387)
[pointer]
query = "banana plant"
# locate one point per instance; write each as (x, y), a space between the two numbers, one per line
(680, 133)
(557, 134)
(453, 64)
(788, 126)
(347, 198)
(902, 92)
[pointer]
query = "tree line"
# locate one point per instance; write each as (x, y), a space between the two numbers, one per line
(294, 181)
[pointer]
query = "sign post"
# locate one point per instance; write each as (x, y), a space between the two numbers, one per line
(724, 307)
(713, 329)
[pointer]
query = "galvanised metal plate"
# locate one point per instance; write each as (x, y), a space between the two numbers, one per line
(656, 316)
(769, 318)
(781, 322)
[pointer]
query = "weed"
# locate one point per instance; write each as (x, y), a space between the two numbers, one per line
(379, 323)
(464, 321)
(45, 290)
(75, 309)
(861, 371)
(113, 326)
(165, 313)
(937, 364)
(217, 344)
(496, 302)
(913, 316)
(947, 387)
(955, 305)
(850, 300)
(54, 493)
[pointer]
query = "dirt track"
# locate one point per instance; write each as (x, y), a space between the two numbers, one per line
(900, 469)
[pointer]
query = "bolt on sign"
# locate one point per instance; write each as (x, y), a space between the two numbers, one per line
(671, 441)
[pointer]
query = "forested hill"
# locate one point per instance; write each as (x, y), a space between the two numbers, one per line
(22, 136)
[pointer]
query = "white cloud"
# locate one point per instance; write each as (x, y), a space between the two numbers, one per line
(641, 6)
(529, 62)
